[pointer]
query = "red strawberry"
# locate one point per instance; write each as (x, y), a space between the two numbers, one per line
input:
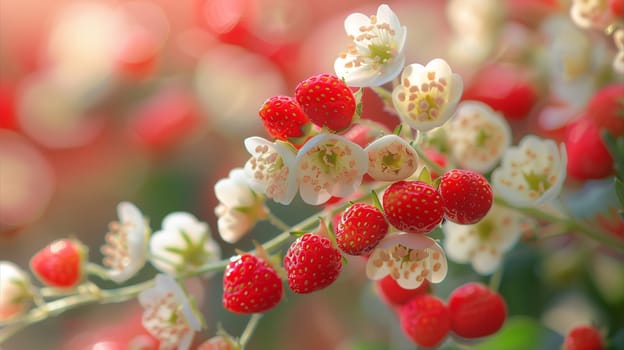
(361, 227)
(60, 264)
(250, 285)
(327, 101)
(583, 338)
(425, 320)
(283, 118)
(394, 294)
(466, 196)
(505, 88)
(588, 157)
(606, 109)
(413, 206)
(476, 310)
(617, 7)
(312, 263)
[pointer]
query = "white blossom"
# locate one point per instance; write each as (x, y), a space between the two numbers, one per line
(270, 169)
(239, 208)
(183, 244)
(329, 165)
(15, 291)
(478, 136)
(483, 244)
(618, 60)
(408, 258)
(125, 250)
(427, 95)
(391, 158)
(376, 54)
(532, 173)
(169, 315)
(591, 13)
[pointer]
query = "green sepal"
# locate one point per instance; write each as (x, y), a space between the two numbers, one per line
(425, 176)
(297, 233)
(376, 201)
(345, 262)
(397, 130)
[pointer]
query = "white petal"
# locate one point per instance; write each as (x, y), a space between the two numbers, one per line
(486, 262)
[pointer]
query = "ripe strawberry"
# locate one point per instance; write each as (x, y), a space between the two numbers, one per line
(505, 88)
(583, 338)
(606, 108)
(312, 263)
(251, 285)
(60, 264)
(327, 101)
(617, 7)
(283, 118)
(413, 206)
(466, 196)
(588, 157)
(425, 320)
(361, 227)
(392, 293)
(476, 310)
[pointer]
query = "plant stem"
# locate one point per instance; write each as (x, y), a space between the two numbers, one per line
(496, 279)
(568, 223)
(249, 329)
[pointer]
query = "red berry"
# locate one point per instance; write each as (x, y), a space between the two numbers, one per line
(327, 101)
(394, 294)
(312, 263)
(216, 343)
(476, 310)
(361, 227)
(617, 7)
(505, 88)
(425, 320)
(283, 118)
(466, 196)
(606, 109)
(60, 264)
(251, 285)
(413, 206)
(583, 338)
(588, 157)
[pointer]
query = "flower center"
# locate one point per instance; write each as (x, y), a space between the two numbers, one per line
(485, 228)
(537, 182)
(116, 251)
(164, 320)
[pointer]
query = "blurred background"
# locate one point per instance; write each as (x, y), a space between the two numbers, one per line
(149, 101)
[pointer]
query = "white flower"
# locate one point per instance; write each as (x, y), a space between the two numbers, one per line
(240, 207)
(408, 258)
(329, 165)
(169, 315)
(478, 136)
(427, 95)
(532, 173)
(590, 13)
(391, 158)
(377, 53)
(484, 243)
(270, 169)
(183, 244)
(15, 291)
(125, 250)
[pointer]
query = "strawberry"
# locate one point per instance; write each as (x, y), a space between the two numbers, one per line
(250, 285)
(361, 227)
(606, 109)
(393, 294)
(617, 7)
(60, 264)
(506, 88)
(588, 157)
(425, 320)
(466, 196)
(583, 338)
(327, 101)
(413, 206)
(218, 342)
(283, 118)
(476, 310)
(312, 263)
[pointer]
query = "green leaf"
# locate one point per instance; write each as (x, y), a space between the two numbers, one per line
(425, 176)
(619, 190)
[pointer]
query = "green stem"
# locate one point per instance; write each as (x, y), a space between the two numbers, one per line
(277, 222)
(496, 278)
(249, 329)
(428, 162)
(569, 224)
